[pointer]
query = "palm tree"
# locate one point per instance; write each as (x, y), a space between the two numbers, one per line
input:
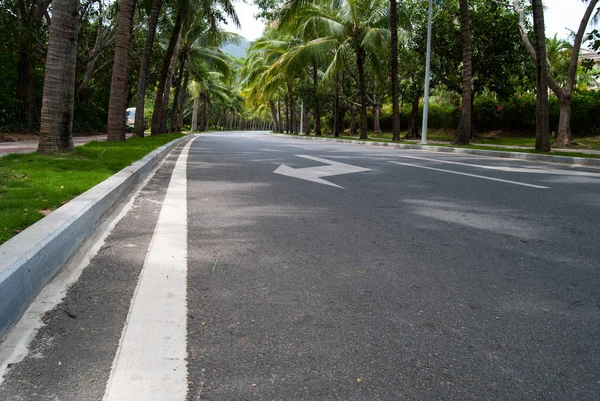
(463, 133)
(187, 12)
(56, 129)
(118, 84)
(345, 28)
(542, 126)
(200, 43)
(141, 88)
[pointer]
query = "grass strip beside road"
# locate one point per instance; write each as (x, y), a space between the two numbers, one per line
(32, 185)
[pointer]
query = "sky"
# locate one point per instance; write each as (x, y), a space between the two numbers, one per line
(559, 15)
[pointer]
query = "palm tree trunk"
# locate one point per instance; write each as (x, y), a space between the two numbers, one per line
(336, 108)
(292, 116)
(360, 60)
(376, 113)
(463, 132)
(542, 127)
(175, 106)
(56, 129)
(118, 85)
(141, 91)
(394, 70)
(182, 96)
(274, 116)
(413, 121)
(317, 100)
(195, 115)
(280, 121)
(164, 75)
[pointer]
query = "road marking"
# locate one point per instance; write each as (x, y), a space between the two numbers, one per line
(314, 174)
(513, 169)
(298, 146)
(473, 175)
(151, 359)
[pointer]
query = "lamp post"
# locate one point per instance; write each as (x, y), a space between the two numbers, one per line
(427, 76)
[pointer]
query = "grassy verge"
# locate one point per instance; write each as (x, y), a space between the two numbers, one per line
(31, 185)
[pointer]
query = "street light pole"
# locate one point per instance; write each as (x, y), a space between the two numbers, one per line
(427, 76)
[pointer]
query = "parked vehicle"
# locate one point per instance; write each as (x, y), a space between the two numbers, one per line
(130, 117)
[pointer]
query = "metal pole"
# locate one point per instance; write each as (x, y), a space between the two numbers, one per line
(301, 116)
(427, 77)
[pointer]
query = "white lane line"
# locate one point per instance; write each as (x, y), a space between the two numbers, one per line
(298, 146)
(531, 169)
(473, 175)
(151, 360)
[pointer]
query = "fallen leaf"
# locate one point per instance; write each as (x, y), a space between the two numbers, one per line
(361, 271)
(59, 363)
(358, 380)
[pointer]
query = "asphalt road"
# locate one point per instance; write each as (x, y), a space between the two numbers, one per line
(412, 276)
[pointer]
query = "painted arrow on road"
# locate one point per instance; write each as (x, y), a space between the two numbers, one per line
(314, 174)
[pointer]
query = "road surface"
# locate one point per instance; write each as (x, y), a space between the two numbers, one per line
(327, 271)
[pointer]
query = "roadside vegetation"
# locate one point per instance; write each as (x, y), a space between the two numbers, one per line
(32, 185)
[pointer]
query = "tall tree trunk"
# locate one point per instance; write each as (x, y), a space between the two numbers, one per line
(274, 115)
(413, 121)
(30, 20)
(280, 122)
(317, 115)
(376, 114)
(204, 119)
(56, 128)
(164, 75)
(292, 116)
(463, 132)
(175, 106)
(195, 115)
(336, 108)
(138, 128)
(25, 89)
(542, 128)
(118, 85)
(182, 96)
(167, 94)
(360, 60)
(353, 124)
(394, 70)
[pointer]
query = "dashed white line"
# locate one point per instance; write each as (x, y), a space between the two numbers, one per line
(472, 175)
(151, 360)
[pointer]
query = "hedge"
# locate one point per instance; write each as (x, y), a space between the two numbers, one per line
(517, 113)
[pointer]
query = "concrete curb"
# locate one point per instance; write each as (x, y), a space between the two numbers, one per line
(576, 161)
(31, 259)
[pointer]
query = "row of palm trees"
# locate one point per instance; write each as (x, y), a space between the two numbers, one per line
(327, 41)
(193, 62)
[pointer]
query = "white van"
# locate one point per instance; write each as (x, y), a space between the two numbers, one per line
(130, 117)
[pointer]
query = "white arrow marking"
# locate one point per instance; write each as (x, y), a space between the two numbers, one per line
(314, 174)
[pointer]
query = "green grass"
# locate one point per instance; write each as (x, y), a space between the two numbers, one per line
(32, 185)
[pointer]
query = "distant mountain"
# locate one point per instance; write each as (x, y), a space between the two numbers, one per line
(237, 51)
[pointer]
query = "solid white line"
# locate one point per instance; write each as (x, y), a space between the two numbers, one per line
(15, 345)
(151, 360)
(472, 175)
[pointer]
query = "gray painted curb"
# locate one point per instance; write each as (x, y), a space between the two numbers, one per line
(31, 259)
(576, 161)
